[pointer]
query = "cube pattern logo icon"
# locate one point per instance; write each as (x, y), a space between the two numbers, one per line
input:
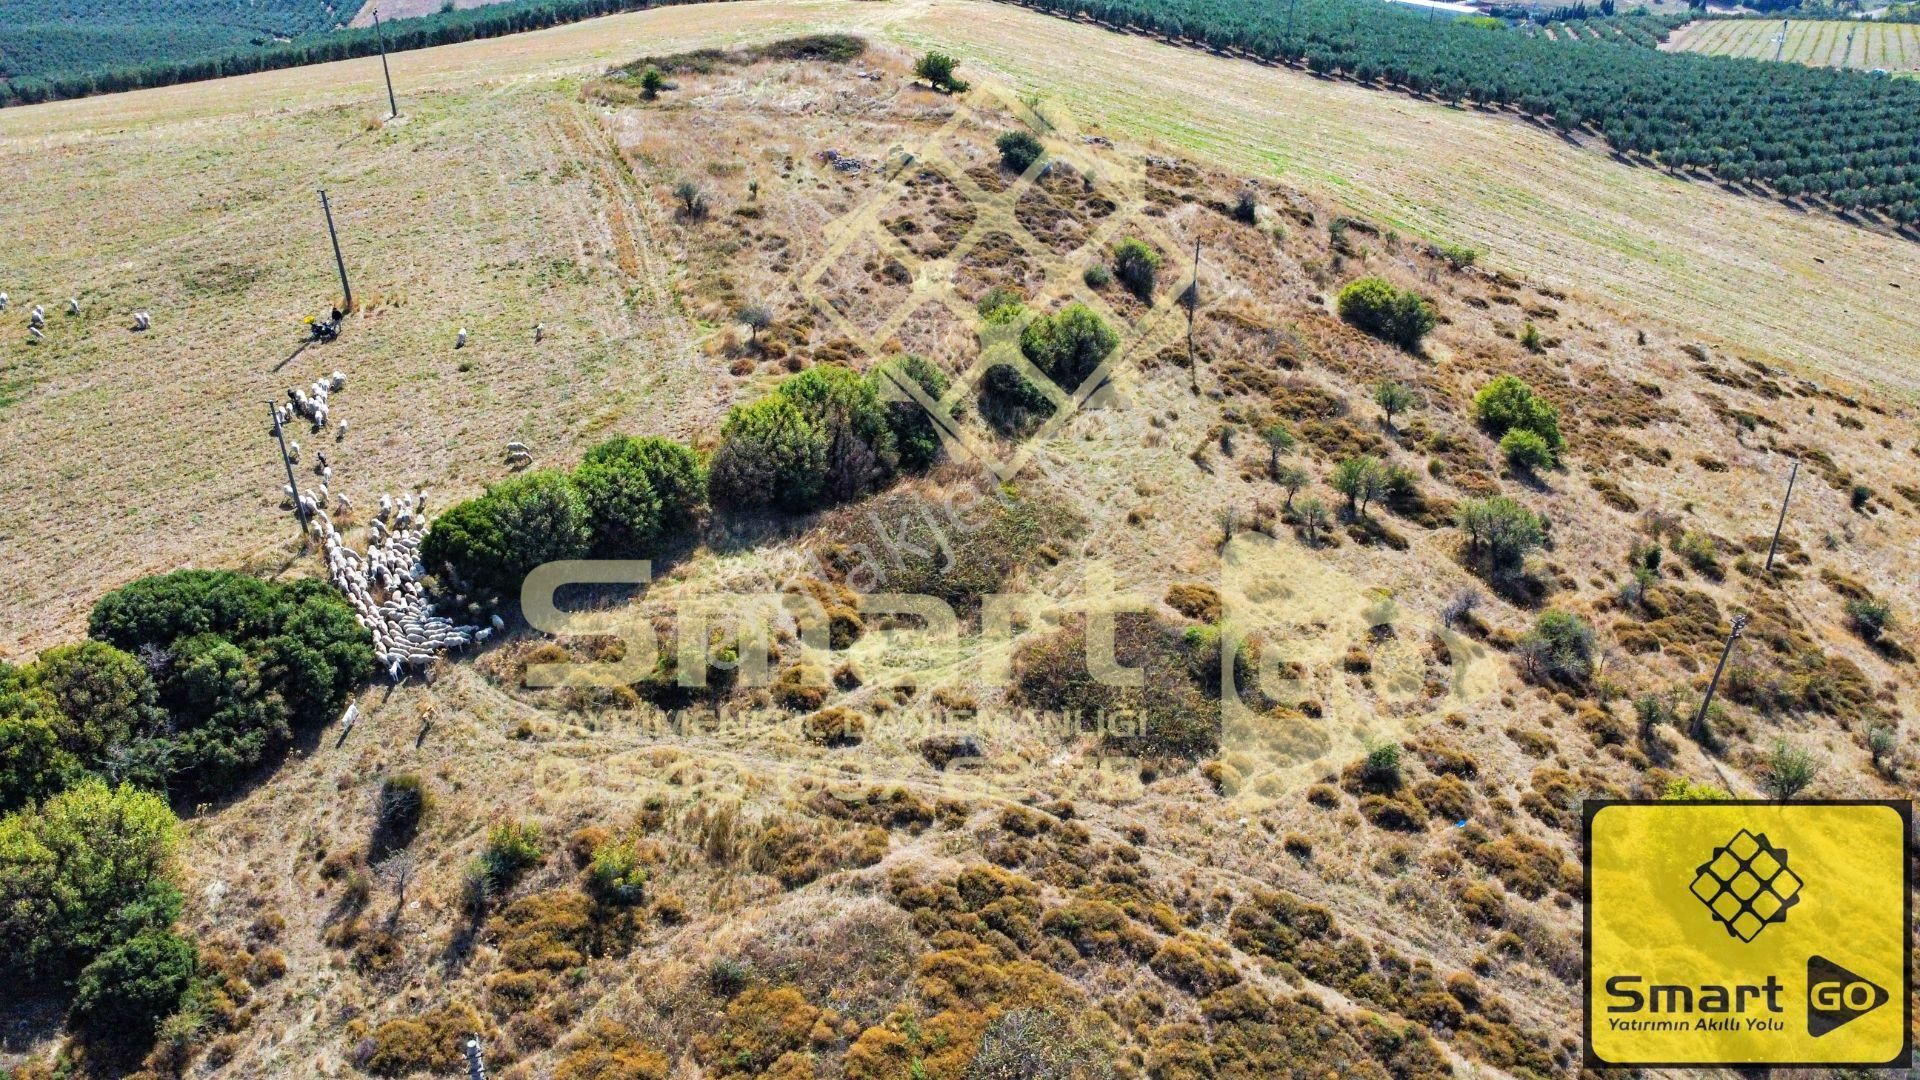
(1747, 885)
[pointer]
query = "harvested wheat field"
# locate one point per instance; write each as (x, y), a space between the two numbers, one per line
(1332, 828)
(1862, 44)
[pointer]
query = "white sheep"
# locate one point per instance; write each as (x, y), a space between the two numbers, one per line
(341, 432)
(539, 331)
(293, 451)
(34, 334)
(4, 301)
(37, 317)
(336, 381)
(142, 320)
(460, 342)
(73, 305)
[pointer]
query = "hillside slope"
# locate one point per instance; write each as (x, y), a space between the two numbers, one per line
(823, 889)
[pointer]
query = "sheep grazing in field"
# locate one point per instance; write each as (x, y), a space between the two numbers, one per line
(34, 335)
(142, 321)
(4, 301)
(539, 331)
(340, 432)
(73, 305)
(293, 451)
(336, 382)
(460, 342)
(319, 460)
(37, 318)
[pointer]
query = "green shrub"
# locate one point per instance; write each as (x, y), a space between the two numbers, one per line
(822, 437)
(1362, 480)
(1019, 150)
(494, 541)
(1526, 450)
(104, 695)
(652, 82)
(229, 718)
(1679, 789)
(937, 68)
(1137, 266)
(1500, 530)
(769, 455)
(1560, 646)
(33, 764)
(1381, 766)
(1508, 403)
(1788, 770)
(1400, 316)
(1392, 398)
(1870, 617)
(637, 491)
(1530, 339)
(615, 875)
(915, 438)
(311, 651)
(127, 990)
(87, 870)
(512, 848)
(1097, 276)
(1069, 344)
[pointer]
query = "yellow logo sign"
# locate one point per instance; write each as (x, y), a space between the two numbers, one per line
(1744, 933)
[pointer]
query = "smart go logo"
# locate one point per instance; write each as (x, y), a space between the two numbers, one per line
(1788, 944)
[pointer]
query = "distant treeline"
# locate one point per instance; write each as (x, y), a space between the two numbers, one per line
(55, 39)
(444, 28)
(1844, 136)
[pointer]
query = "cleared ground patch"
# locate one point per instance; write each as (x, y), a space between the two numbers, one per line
(1815, 43)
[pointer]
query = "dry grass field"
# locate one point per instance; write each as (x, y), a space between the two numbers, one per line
(170, 197)
(812, 908)
(1891, 46)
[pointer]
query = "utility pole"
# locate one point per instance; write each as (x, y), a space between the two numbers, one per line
(1783, 514)
(476, 1068)
(392, 105)
(339, 262)
(1700, 718)
(1193, 305)
(287, 460)
(1781, 40)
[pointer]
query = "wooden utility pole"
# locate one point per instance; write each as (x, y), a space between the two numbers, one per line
(1700, 718)
(287, 460)
(1791, 477)
(393, 106)
(1193, 306)
(339, 263)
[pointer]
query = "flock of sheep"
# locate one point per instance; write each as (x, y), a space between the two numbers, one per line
(385, 586)
(37, 317)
